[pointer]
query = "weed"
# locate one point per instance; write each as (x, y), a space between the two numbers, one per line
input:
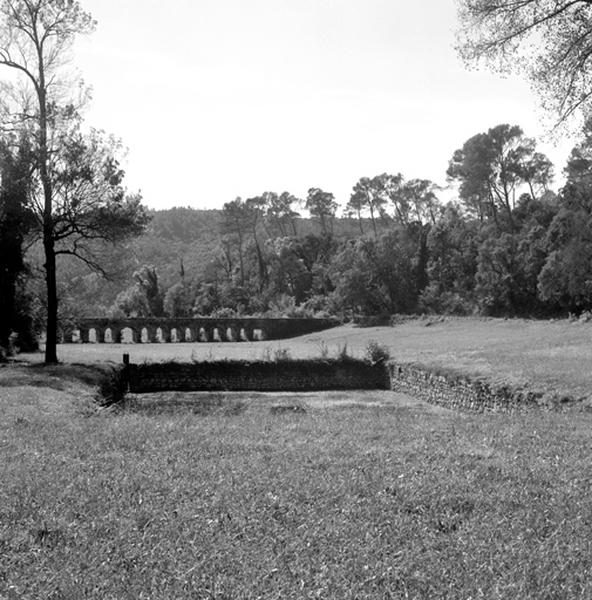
(281, 355)
(323, 349)
(343, 352)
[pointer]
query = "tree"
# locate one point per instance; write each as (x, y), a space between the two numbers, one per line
(322, 205)
(279, 212)
(491, 168)
(566, 278)
(419, 195)
(368, 194)
(147, 281)
(15, 222)
(549, 41)
(452, 247)
(76, 191)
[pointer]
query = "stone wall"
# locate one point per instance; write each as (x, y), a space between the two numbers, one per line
(453, 390)
(297, 375)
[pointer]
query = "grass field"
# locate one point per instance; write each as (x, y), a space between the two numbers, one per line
(546, 355)
(357, 495)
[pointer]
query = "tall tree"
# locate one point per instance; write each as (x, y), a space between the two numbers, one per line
(549, 41)
(280, 213)
(419, 195)
(77, 191)
(566, 278)
(236, 226)
(322, 205)
(15, 221)
(368, 194)
(491, 168)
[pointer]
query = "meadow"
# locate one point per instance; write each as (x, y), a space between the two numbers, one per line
(354, 495)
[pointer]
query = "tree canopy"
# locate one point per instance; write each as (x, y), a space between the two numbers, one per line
(549, 41)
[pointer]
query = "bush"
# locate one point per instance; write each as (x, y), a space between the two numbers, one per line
(113, 386)
(377, 353)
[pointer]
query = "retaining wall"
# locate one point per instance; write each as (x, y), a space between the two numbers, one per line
(301, 375)
(453, 390)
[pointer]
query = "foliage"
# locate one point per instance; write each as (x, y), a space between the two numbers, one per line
(491, 167)
(546, 41)
(322, 206)
(75, 186)
(16, 221)
(376, 352)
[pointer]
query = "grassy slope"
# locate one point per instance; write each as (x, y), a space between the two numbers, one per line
(358, 497)
(554, 356)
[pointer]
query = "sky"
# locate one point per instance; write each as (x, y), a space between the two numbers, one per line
(216, 99)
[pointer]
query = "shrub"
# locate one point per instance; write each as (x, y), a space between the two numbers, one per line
(113, 386)
(377, 353)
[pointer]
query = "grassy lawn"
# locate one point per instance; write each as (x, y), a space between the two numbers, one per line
(357, 495)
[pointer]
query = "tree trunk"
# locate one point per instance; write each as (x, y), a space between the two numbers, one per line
(51, 356)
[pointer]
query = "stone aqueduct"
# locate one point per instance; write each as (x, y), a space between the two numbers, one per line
(150, 330)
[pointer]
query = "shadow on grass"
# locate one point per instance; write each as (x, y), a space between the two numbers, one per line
(182, 403)
(56, 377)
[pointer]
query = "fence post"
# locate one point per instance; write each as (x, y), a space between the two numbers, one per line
(126, 371)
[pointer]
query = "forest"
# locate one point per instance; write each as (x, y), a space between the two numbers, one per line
(507, 244)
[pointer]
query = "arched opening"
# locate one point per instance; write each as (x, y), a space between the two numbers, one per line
(159, 338)
(174, 335)
(258, 334)
(144, 335)
(202, 335)
(126, 336)
(188, 335)
(108, 336)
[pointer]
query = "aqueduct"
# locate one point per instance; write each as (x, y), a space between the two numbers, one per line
(206, 329)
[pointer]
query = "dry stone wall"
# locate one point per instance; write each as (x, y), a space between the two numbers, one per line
(302, 375)
(452, 390)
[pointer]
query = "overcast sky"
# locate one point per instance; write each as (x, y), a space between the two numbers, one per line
(223, 98)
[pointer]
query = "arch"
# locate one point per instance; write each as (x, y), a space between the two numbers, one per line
(126, 335)
(232, 334)
(144, 337)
